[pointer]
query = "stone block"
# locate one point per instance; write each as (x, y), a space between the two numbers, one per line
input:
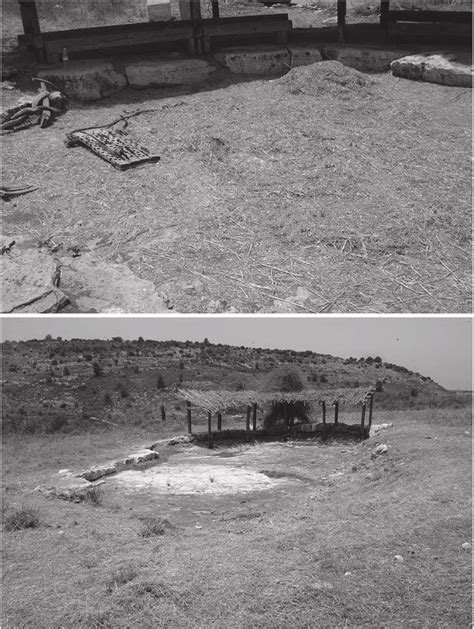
(156, 72)
(86, 80)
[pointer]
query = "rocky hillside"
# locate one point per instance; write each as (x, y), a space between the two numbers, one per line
(59, 385)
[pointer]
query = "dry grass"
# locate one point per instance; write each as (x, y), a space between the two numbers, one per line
(277, 559)
(271, 197)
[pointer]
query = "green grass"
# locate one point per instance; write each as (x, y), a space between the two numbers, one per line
(271, 559)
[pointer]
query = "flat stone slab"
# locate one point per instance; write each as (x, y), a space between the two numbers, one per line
(101, 286)
(142, 74)
(437, 68)
(87, 80)
(303, 56)
(362, 59)
(255, 61)
(30, 278)
(113, 467)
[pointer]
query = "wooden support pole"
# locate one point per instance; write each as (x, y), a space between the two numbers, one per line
(196, 18)
(336, 412)
(247, 424)
(362, 421)
(163, 413)
(188, 404)
(323, 404)
(209, 429)
(254, 419)
(385, 14)
(341, 20)
(219, 421)
(371, 408)
(31, 25)
(215, 9)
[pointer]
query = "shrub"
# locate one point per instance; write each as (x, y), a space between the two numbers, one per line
(94, 496)
(19, 518)
(97, 369)
(152, 527)
(160, 383)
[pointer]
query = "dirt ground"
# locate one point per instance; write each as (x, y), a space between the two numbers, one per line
(307, 193)
(337, 538)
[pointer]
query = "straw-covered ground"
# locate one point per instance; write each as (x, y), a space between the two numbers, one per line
(325, 190)
(330, 535)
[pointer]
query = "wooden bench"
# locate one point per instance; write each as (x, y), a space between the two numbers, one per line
(50, 45)
(453, 17)
(245, 26)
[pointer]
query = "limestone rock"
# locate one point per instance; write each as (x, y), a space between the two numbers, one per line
(86, 80)
(140, 457)
(255, 61)
(107, 287)
(141, 74)
(437, 68)
(97, 472)
(362, 59)
(303, 56)
(30, 278)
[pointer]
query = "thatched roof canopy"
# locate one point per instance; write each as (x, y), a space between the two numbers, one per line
(220, 401)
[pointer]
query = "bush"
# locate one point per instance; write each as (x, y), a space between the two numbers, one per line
(19, 518)
(153, 527)
(97, 369)
(284, 378)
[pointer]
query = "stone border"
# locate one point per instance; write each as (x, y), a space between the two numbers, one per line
(96, 79)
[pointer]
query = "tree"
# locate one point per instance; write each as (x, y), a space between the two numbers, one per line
(97, 369)
(377, 359)
(379, 386)
(66, 371)
(160, 383)
(206, 341)
(284, 378)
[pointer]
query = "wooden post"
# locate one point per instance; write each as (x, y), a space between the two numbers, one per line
(163, 413)
(196, 17)
(336, 412)
(254, 419)
(323, 404)
(188, 404)
(362, 421)
(209, 429)
(31, 25)
(385, 15)
(215, 9)
(219, 421)
(371, 408)
(341, 20)
(247, 424)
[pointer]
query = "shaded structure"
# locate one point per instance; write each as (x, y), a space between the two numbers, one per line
(218, 402)
(193, 33)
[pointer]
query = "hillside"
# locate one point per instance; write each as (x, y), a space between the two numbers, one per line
(53, 384)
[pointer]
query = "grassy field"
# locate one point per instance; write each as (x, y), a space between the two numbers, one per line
(318, 547)
(322, 191)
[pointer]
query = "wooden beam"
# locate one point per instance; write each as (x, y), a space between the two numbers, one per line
(323, 404)
(362, 421)
(385, 14)
(188, 404)
(219, 421)
(247, 424)
(254, 419)
(215, 9)
(163, 413)
(336, 412)
(371, 408)
(31, 25)
(341, 20)
(209, 430)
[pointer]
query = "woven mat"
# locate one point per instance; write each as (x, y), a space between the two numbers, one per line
(116, 147)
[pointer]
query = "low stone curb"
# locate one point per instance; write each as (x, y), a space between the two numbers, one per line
(107, 469)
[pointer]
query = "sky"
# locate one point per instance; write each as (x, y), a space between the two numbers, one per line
(439, 347)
